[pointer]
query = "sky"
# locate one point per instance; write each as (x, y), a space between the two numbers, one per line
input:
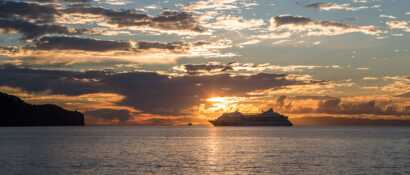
(170, 62)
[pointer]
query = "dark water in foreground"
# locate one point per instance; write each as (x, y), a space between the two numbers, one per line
(196, 150)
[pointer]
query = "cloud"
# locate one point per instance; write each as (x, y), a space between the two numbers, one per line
(77, 43)
(212, 4)
(80, 19)
(327, 6)
(127, 96)
(31, 19)
(60, 1)
(310, 27)
(203, 68)
(58, 12)
(175, 21)
(28, 11)
(74, 49)
(251, 67)
(398, 86)
(307, 105)
(147, 92)
(96, 106)
(273, 35)
(167, 20)
(90, 44)
(235, 23)
(399, 24)
(32, 30)
(350, 106)
(360, 1)
(319, 88)
(278, 42)
(215, 15)
(347, 106)
(251, 41)
(370, 78)
(45, 26)
(387, 16)
(244, 68)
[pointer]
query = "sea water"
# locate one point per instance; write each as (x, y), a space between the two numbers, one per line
(204, 150)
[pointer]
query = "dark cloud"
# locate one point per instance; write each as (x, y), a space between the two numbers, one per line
(60, 82)
(176, 46)
(329, 106)
(167, 20)
(32, 30)
(31, 19)
(125, 17)
(297, 20)
(315, 5)
(91, 44)
(321, 5)
(35, 19)
(335, 6)
(27, 11)
(194, 69)
(338, 106)
(77, 43)
(71, 49)
(189, 90)
(283, 20)
(175, 21)
(149, 92)
(61, 1)
(318, 27)
(154, 93)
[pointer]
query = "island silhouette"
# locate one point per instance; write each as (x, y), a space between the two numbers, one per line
(16, 112)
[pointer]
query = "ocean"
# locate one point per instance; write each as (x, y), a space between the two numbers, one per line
(203, 150)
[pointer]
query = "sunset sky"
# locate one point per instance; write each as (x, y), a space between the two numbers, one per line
(177, 61)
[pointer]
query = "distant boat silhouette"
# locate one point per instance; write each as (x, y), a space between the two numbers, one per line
(267, 118)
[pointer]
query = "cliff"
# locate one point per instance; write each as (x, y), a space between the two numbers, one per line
(16, 112)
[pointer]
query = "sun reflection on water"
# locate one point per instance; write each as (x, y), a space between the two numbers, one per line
(213, 146)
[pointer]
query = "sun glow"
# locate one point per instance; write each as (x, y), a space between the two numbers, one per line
(218, 99)
(222, 104)
(215, 106)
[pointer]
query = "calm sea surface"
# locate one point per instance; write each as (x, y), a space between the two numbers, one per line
(203, 150)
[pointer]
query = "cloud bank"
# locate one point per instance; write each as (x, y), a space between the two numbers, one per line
(310, 27)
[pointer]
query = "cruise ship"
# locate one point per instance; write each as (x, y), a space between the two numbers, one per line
(267, 118)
